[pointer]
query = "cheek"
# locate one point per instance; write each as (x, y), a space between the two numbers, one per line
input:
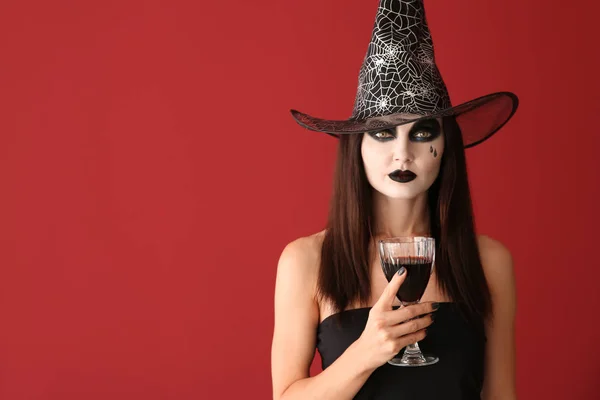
(436, 148)
(373, 159)
(431, 157)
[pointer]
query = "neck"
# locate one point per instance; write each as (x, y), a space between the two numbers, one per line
(400, 217)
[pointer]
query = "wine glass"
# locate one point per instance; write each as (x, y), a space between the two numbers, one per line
(417, 255)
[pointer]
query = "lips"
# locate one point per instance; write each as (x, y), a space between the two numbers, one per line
(402, 176)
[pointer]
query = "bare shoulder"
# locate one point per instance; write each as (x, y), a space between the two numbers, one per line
(306, 248)
(299, 261)
(303, 253)
(497, 263)
(493, 253)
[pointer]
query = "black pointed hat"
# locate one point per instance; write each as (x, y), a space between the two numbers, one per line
(399, 76)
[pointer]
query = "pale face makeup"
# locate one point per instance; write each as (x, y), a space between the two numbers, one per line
(403, 162)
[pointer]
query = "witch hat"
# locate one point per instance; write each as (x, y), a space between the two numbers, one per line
(399, 76)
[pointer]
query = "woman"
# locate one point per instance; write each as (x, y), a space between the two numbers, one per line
(400, 171)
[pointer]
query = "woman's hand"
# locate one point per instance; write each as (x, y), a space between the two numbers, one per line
(388, 331)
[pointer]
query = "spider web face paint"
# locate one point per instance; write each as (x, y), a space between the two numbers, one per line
(399, 74)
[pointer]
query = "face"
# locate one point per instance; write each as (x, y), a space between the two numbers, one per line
(403, 163)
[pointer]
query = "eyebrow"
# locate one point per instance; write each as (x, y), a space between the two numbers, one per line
(427, 121)
(416, 125)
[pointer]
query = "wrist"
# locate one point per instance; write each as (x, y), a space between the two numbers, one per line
(358, 357)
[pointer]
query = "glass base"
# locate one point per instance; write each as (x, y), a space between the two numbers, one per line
(419, 361)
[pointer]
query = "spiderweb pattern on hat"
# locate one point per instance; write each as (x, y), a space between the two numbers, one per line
(399, 73)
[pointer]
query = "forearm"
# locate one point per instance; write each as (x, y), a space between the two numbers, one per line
(340, 381)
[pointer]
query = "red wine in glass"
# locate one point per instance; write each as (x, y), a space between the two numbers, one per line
(418, 271)
(417, 255)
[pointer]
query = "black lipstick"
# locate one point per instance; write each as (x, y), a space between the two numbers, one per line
(402, 176)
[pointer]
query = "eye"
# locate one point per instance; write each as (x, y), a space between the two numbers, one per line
(422, 134)
(382, 135)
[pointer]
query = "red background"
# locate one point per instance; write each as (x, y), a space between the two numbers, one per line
(151, 176)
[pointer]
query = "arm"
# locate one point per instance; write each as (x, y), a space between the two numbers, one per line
(499, 380)
(294, 337)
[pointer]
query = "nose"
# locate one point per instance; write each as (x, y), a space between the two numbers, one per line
(402, 152)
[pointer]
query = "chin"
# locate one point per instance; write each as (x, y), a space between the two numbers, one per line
(405, 193)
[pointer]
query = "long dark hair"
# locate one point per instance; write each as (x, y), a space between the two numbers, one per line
(344, 274)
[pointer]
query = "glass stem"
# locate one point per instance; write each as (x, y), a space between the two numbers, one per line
(412, 350)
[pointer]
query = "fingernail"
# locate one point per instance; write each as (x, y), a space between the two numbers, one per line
(435, 306)
(432, 316)
(401, 270)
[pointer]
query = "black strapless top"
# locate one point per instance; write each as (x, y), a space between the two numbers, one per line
(459, 345)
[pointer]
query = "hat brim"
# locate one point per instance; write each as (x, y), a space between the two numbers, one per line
(478, 119)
